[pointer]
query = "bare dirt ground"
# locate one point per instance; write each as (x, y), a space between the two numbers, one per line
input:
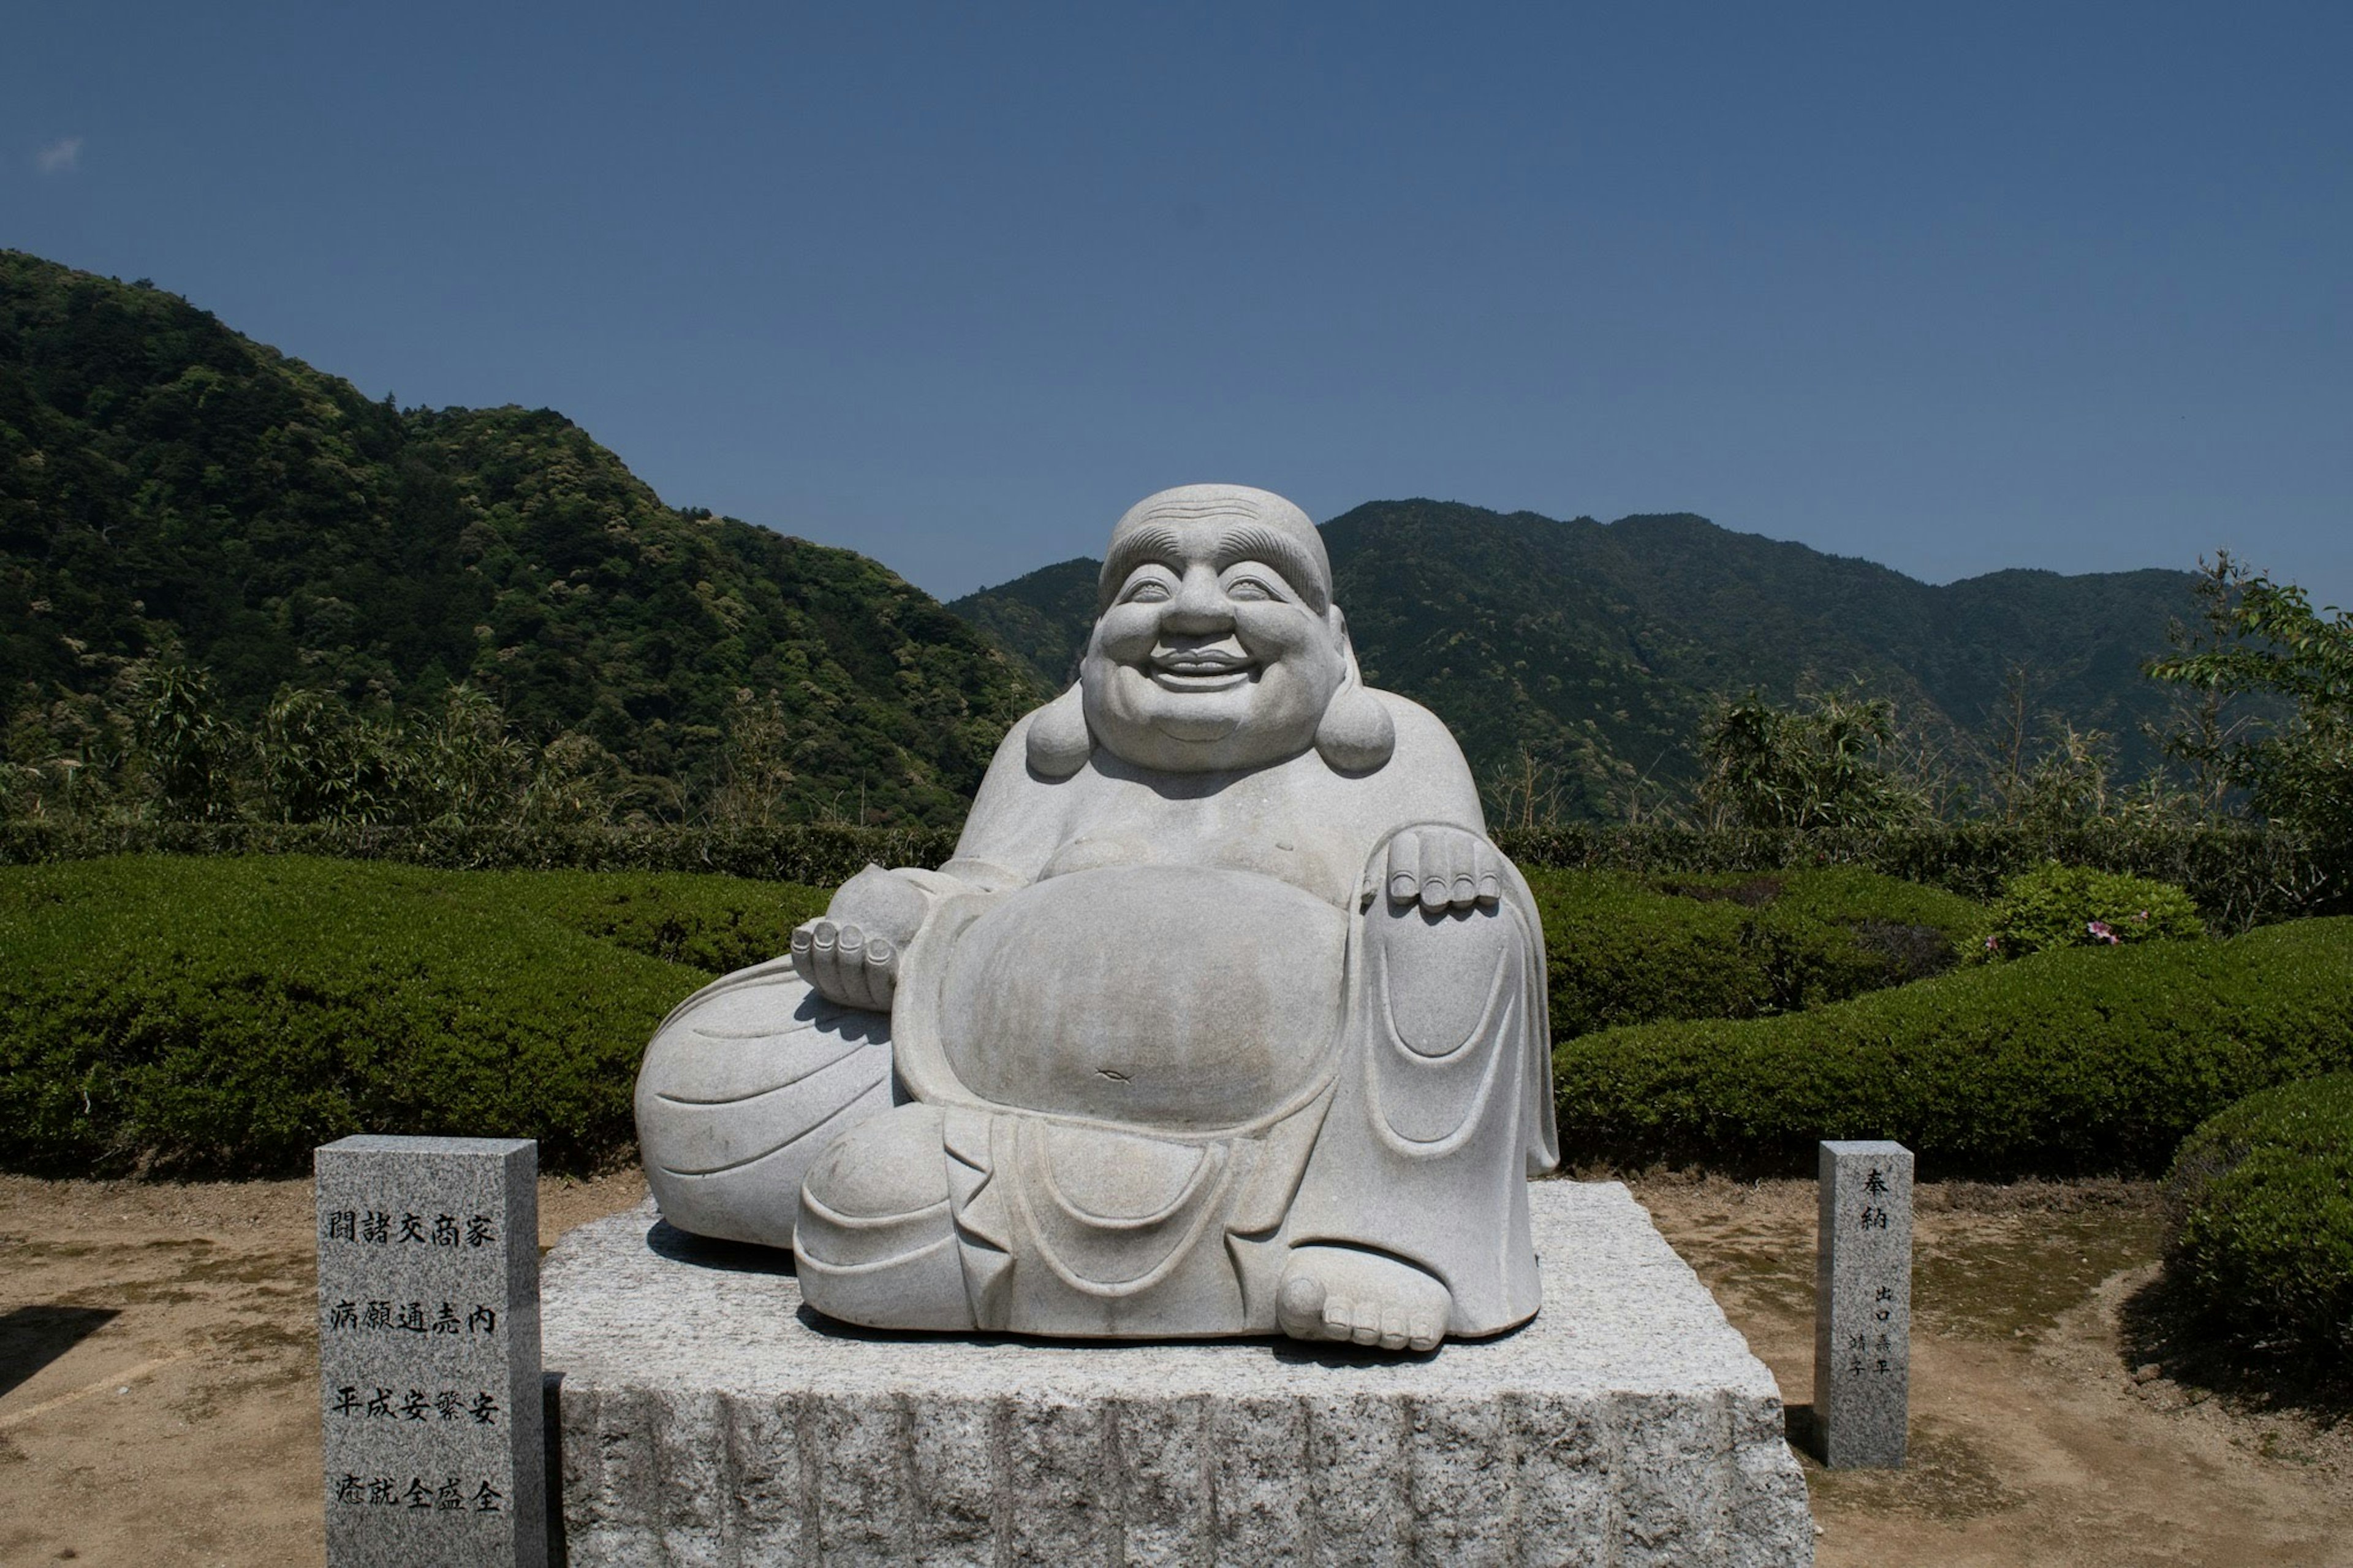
(2032, 1442)
(158, 1407)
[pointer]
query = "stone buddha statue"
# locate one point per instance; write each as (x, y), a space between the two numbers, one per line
(1225, 1019)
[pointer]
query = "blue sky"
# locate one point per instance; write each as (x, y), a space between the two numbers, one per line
(1951, 288)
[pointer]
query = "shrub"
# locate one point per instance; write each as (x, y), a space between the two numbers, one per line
(1623, 949)
(2260, 1202)
(224, 1015)
(2075, 906)
(820, 855)
(2240, 876)
(2069, 1061)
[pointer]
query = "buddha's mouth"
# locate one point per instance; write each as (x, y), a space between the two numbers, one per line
(1202, 669)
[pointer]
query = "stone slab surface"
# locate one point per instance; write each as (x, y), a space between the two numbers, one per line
(707, 1418)
(1862, 1304)
(429, 1353)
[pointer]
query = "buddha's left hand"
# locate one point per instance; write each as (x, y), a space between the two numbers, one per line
(1441, 868)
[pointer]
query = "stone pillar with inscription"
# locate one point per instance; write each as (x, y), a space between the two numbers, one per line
(1862, 1305)
(429, 1352)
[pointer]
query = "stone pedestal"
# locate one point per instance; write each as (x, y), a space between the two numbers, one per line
(709, 1418)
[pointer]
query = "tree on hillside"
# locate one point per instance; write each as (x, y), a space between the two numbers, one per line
(2268, 639)
(187, 749)
(1819, 765)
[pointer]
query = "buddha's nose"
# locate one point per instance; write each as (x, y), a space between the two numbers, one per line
(1199, 608)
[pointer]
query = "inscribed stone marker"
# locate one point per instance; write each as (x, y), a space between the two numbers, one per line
(429, 1352)
(1862, 1304)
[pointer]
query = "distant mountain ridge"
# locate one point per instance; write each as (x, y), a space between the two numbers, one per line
(165, 482)
(1596, 649)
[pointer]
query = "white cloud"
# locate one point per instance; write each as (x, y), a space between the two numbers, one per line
(62, 156)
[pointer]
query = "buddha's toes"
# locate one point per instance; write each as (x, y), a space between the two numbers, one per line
(1361, 1298)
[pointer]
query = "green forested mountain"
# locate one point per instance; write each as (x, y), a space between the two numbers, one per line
(169, 487)
(1595, 651)
(171, 490)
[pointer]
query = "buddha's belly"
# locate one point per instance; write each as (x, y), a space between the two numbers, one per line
(1184, 998)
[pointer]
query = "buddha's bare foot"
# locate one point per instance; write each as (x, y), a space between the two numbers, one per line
(1361, 1298)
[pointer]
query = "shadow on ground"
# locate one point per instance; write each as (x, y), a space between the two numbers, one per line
(2159, 1325)
(33, 1337)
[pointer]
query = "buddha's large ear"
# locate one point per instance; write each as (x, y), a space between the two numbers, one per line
(1357, 734)
(1059, 742)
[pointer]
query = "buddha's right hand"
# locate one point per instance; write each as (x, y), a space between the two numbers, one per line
(852, 955)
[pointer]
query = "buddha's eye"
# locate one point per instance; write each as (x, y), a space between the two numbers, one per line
(1150, 591)
(1249, 588)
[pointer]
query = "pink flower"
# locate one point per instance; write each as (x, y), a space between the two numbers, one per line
(2101, 931)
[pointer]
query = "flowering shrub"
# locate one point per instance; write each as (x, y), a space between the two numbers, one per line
(2074, 906)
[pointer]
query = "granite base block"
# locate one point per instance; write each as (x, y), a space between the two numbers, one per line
(709, 1418)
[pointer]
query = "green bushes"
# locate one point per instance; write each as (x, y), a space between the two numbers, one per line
(821, 854)
(2074, 1060)
(2261, 1205)
(224, 1015)
(2239, 875)
(1626, 949)
(2075, 906)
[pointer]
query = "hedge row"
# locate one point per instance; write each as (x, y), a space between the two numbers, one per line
(2261, 1201)
(2077, 1060)
(2240, 876)
(1623, 949)
(817, 856)
(224, 1015)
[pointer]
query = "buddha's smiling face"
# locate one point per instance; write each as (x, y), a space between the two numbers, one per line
(1217, 647)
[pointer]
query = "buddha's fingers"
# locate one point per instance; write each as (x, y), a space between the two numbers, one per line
(813, 944)
(849, 967)
(1438, 851)
(1405, 867)
(882, 971)
(1469, 853)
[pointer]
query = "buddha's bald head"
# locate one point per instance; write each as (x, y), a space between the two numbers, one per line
(1250, 525)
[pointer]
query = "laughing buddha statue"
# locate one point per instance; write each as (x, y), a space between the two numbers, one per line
(1225, 1019)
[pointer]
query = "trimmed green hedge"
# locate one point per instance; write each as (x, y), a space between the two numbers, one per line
(2241, 876)
(2075, 906)
(822, 856)
(2077, 1060)
(223, 1016)
(1623, 949)
(2261, 1201)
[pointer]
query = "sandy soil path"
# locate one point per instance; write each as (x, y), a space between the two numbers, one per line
(157, 1363)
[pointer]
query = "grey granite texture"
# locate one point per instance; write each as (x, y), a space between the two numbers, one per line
(709, 1418)
(430, 1402)
(1862, 1304)
(1226, 1017)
